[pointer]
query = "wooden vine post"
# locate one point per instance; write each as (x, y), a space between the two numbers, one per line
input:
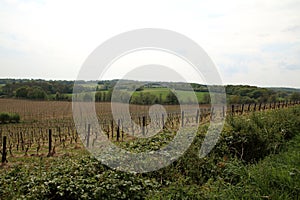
(259, 107)
(112, 129)
(4, 151)
(88, 136)
(182, 119)
(50, 142)
(212, 112)
(197, 116)
(242, 111)
(144, 124)
(223, 111)
(163, 120)
(118, 130)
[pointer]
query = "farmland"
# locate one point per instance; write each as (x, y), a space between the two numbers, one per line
(155, 92)
(253, 133)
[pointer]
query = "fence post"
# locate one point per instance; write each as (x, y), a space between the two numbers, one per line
(88, 136)
(132, 128)
(232, 109)
(107, 133)
(122, 132)
(182, 118)
(197, 116)
(259, 107)
(144, 124)
(112, 129)
(254, 107)
(0, 135)
(201, 114)
(212, 113)
(4, 152)
(223, 111)
(242, 109)
(50, 141)
(118, 131)
(163, 120)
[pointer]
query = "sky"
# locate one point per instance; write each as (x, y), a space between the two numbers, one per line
(250, 42)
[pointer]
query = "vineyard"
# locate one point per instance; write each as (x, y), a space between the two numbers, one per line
(49, 126)
(46, 133)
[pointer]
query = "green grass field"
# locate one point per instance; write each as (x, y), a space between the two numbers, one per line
(164, 92)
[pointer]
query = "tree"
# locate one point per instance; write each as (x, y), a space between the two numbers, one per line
(22, 92)
(88, 97)
(98, 96)
(160, 98)
(57, 96)
(149, 99)
(171, 98)
(206, 98)
(234, 99)
(295, 96)
(108, 95)
(272, 98)
(37, 93)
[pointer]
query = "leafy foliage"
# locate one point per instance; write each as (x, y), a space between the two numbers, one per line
(83, 179)
(9, 118)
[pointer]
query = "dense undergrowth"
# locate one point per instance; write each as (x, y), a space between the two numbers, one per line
(256, 157)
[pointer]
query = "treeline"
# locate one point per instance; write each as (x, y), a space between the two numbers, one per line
(62, 91)
(243, 94)
(141, 98)
(36, 89)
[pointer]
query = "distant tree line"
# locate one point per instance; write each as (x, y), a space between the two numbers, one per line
(251, 94)
(62, 91)
(37, 89)
(143, 98)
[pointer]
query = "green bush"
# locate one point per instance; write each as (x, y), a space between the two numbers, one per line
(15, 117)
(255, 136)
(4, 117)
(84, 178)
(9, 118)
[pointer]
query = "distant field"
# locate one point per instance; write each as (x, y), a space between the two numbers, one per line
(164, 92)
(159, 93)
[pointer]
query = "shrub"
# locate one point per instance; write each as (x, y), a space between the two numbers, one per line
(4, 117)
(15, 117)
(9, 118)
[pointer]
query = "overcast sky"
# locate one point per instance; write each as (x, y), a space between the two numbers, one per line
(250, 42)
